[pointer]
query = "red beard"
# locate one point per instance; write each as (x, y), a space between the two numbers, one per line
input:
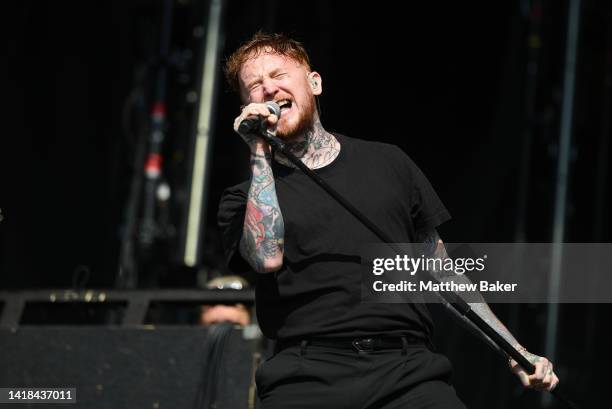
(304, 123)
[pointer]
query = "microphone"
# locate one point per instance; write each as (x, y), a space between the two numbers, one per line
(256, 124)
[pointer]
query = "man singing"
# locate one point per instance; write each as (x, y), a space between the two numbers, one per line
(333, 351)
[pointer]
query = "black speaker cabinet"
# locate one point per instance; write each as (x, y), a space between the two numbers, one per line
(154, 368)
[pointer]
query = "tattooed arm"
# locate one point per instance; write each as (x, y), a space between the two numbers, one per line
(262, 238)
(544, 378)
(261, 244)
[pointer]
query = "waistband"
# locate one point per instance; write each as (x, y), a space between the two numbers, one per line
(362, 344)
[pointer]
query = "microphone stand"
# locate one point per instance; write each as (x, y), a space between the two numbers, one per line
(455, 304)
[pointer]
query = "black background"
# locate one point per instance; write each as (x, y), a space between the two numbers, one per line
(446, 81)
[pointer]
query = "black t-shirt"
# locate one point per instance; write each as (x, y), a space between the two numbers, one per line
(317, 292)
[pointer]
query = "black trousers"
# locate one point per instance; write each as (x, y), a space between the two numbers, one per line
(321, 377)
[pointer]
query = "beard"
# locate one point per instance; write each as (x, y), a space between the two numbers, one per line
(304, 123)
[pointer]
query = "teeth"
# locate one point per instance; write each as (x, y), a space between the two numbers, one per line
(283, 102)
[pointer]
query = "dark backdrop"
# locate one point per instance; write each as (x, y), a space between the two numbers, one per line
(445, 81)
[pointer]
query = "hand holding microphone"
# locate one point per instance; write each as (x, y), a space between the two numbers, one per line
(255, 119)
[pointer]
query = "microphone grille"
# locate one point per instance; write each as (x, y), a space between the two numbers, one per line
(274, 108)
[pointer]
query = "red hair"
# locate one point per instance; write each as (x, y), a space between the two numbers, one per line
(261, 42)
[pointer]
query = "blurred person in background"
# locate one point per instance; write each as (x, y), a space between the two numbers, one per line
(236, 313)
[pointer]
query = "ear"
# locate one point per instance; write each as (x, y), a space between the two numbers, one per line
(315, 82)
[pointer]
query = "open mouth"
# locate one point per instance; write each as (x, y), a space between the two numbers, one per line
(284, 105)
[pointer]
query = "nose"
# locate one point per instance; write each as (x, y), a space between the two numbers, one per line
(269, 88)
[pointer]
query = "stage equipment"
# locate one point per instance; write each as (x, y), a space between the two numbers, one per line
(193, 224)
(126, 368)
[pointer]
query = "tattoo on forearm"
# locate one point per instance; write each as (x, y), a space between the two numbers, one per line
(263, 232)
(436, 248)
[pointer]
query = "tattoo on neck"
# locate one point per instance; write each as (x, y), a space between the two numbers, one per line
(316, 148)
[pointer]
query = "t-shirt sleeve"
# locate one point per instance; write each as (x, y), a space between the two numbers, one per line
(426, 209)
(231, 221)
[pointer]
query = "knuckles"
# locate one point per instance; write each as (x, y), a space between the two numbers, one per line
(254, 109)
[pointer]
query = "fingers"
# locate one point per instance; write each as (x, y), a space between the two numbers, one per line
(544, 378)
(251, 110)
(535, 379)
(554, 383)
(272, 119)
(255, 110)
(550, 380)
(524, 378)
